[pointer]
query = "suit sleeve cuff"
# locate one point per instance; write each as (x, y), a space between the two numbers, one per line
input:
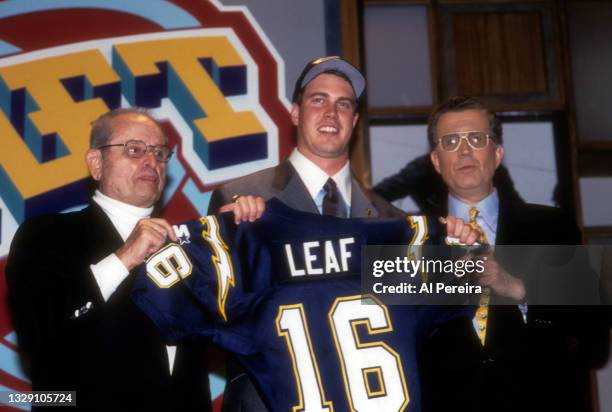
(109, 273)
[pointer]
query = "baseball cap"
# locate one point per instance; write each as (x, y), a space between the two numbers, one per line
(323, 64)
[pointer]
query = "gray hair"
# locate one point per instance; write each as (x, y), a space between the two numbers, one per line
(102, 127)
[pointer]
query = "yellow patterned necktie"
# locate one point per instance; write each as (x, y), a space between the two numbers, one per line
(482, 313)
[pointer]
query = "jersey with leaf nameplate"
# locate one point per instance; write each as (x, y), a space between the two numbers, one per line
(283, 294)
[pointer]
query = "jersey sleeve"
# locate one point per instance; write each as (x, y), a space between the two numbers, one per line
(195, 287)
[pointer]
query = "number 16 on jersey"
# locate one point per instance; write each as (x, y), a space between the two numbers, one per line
(361, 362)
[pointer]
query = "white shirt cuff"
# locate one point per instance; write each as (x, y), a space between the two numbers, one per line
(171, 356)
(109, 273)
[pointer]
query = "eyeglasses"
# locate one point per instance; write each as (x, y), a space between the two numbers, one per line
(137, 149)
(476, 140)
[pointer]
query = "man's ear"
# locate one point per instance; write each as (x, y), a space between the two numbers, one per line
(499, 155)
(435, 160)
(94, 163)
(355, 119)
(295, 114)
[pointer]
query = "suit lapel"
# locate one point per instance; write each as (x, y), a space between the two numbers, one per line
(104, 237)
(361, 205)
(506, 224)
(289, 189)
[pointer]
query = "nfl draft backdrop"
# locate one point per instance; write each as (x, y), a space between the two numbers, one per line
(207, 70)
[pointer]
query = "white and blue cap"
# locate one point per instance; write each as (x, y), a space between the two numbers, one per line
(329, 63)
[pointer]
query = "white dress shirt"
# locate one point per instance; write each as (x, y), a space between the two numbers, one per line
(314, 179)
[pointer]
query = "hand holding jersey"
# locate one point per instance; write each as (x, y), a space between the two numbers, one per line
(147, 237)
(461, 233)
(245, 208)
(284, 294)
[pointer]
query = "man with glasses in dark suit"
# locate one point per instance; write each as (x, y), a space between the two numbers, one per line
(69, 279)
(514, 356)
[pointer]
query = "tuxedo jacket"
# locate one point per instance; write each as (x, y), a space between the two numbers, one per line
(284, 183)
(108, 352)
(524, 365)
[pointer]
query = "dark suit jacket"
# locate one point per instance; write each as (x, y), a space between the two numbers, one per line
(284, 183)
(110, 354)
(523, 366)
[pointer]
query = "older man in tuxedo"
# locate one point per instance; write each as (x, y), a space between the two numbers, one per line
(69, 278)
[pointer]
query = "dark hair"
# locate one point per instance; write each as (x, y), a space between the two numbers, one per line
(299, 95)
(459, 104)
(102, 127)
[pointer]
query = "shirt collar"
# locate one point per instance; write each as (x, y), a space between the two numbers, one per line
(314, 177)
(488, 208)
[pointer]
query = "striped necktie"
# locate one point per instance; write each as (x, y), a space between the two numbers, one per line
(332, 201)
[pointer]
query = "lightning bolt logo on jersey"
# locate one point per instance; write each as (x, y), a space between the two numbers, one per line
(283, 294)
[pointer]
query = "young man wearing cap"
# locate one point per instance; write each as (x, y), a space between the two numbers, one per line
(324, 111)
(315, 178)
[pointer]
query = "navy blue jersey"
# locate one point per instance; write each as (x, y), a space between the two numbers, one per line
(283, 294)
